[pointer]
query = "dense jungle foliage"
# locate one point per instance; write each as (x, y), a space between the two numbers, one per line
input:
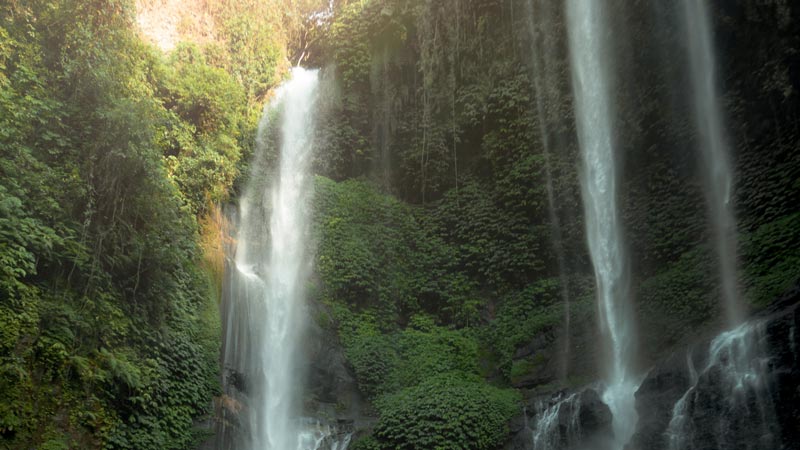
(450, 213)
(113, 157)
(447, 211)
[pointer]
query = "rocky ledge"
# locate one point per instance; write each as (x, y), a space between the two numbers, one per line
(740, 390)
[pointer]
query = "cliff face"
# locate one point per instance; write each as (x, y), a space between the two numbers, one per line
(465, 109)
(332, 392)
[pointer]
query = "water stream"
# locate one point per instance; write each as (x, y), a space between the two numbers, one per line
(735, 388)
(591, 61)
(715, 153)
(737, 364)
(265, 307)
(550, 432)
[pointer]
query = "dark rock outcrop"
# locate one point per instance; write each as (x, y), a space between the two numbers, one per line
(784, 340)
(573, 421)
(332, 393)
(662, 388)
(745, 393)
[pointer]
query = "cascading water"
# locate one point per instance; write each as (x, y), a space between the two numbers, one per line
(549, 432)
(735, 387)
(572, 421)
(590, 59)
(265, 307)
(736, 365)
(714, 148)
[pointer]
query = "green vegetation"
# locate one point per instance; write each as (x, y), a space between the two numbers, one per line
(408, 312)
(110, 154)
(434, 207)
(437, 105)
(446, 412)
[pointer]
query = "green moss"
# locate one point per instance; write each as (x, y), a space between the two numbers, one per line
(772, 259)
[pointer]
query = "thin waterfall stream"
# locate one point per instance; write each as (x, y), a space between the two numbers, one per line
(737, 361)
(715, 152)
(591, 71)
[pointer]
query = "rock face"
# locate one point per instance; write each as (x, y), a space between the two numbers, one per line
(739, 391)
(546, 360)
(664, 386)
(576, 421)
(783, 338)
(332, 392)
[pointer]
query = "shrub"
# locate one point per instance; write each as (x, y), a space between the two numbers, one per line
(446, 412)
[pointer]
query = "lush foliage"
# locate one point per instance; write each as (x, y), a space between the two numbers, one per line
(465, 108)
(110, 152)
(447, 214)
(377, 252)
(205, 120)
(390, 282)
(445, 412)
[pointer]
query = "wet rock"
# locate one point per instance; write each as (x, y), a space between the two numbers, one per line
(332, 392)
(569, 421)
(662, 388)
(594, 416)
(745, 394)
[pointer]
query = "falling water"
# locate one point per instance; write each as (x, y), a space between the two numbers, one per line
(550, 432)
(737, 367)
(265, 305)
(719, 180)
(735, 401)
(590, 60)
(317, 436)
(543, 82)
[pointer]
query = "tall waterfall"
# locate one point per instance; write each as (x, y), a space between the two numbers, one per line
(737, 365)
(266, 279)
(712, 142)
(590, 58)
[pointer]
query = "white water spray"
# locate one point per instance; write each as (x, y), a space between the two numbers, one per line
(590, 58)
(550, 432)
(714, 147)
(737, 370)
(266, 305)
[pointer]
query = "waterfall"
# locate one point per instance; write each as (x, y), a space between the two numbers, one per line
(590, 60)
(264, 309)
(734, 403)
(543, 83)
(736, 371)
(714, 148)
(550, 432)
(318, 436)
